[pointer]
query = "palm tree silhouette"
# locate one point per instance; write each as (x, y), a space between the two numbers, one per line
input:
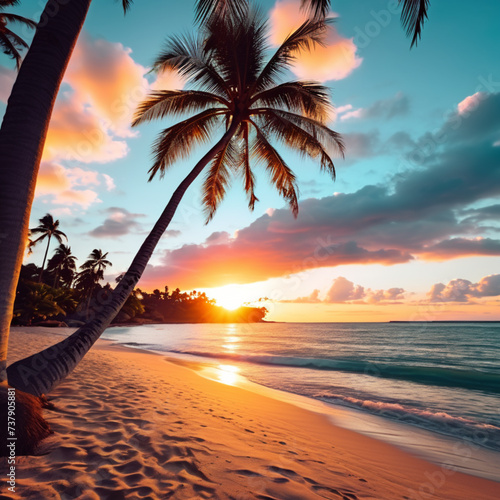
(62, 264)
(9, 41)
(48, 227)
(92, 272)
(241, 96)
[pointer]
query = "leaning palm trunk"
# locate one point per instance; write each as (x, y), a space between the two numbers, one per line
(39, 373)
(22, 138)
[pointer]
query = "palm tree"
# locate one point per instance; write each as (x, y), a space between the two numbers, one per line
(242, 96)
(62, 264)
(48, 227)
(22, 139)
(9, 41)
(92, 272)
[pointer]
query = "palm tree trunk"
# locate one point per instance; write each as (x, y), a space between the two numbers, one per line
(22, 138)
(39, 373)
(44, 259)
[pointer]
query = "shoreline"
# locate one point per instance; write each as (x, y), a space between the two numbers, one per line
(130, 420)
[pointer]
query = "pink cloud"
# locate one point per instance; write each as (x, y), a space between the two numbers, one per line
(335, 61)
(470, 103)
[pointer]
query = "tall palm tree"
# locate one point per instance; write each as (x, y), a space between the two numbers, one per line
(48, 227)
(22, 139)
(9, 41)
(62, 264)
(238, 92)
(97, 263)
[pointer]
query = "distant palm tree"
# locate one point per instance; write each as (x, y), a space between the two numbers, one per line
(92, 272)
(48, 227)
(240, 94)
(96, 263)
(62, 264)
(9, 41)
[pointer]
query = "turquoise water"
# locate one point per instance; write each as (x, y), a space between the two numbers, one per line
(441, 377)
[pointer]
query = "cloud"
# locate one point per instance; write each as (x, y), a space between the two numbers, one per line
(105, 76)
(461, 290)
(420, 213)
(118, 222)
(110, 183)
(335, 61)
(63, 184)
(313, 298)
(399, 105)
(342, 290)
(470, 102)
(77, 133)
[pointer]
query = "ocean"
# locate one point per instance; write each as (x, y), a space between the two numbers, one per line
(428, 380)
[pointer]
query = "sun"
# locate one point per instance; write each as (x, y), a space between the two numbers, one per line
(229, 297)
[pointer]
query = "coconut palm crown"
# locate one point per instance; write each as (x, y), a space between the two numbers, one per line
(236, 89)
(9, 41)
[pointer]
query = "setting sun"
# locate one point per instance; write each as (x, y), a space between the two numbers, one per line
(229, 297)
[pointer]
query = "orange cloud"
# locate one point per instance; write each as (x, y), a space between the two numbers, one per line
(63, 185)
(105, 76)
(335, 61)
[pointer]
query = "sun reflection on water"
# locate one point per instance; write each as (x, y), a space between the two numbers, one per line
(228, 374)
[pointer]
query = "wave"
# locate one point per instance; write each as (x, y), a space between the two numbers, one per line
(430, 375)
(483, 434)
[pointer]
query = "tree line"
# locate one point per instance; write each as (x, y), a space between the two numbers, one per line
(56, 294)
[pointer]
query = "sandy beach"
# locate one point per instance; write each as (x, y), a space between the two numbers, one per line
(130, 424)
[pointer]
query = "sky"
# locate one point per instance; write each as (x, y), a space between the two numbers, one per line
(408, 231)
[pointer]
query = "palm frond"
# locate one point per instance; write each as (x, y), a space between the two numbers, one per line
(9, 48)
(297, 138)
(308, 98)
(9, 3)
(413, 16)
(174, 103)
(281, 175)
(317, 8)
(248, 175)
(14, 18)
(218, 9)
(217, 179)
(239, 62)
(304, 37)
(178, 140)
(186, 55)
(126, 5)
(330, 139)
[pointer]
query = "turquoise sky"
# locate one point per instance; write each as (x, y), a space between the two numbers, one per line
(421, 209)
